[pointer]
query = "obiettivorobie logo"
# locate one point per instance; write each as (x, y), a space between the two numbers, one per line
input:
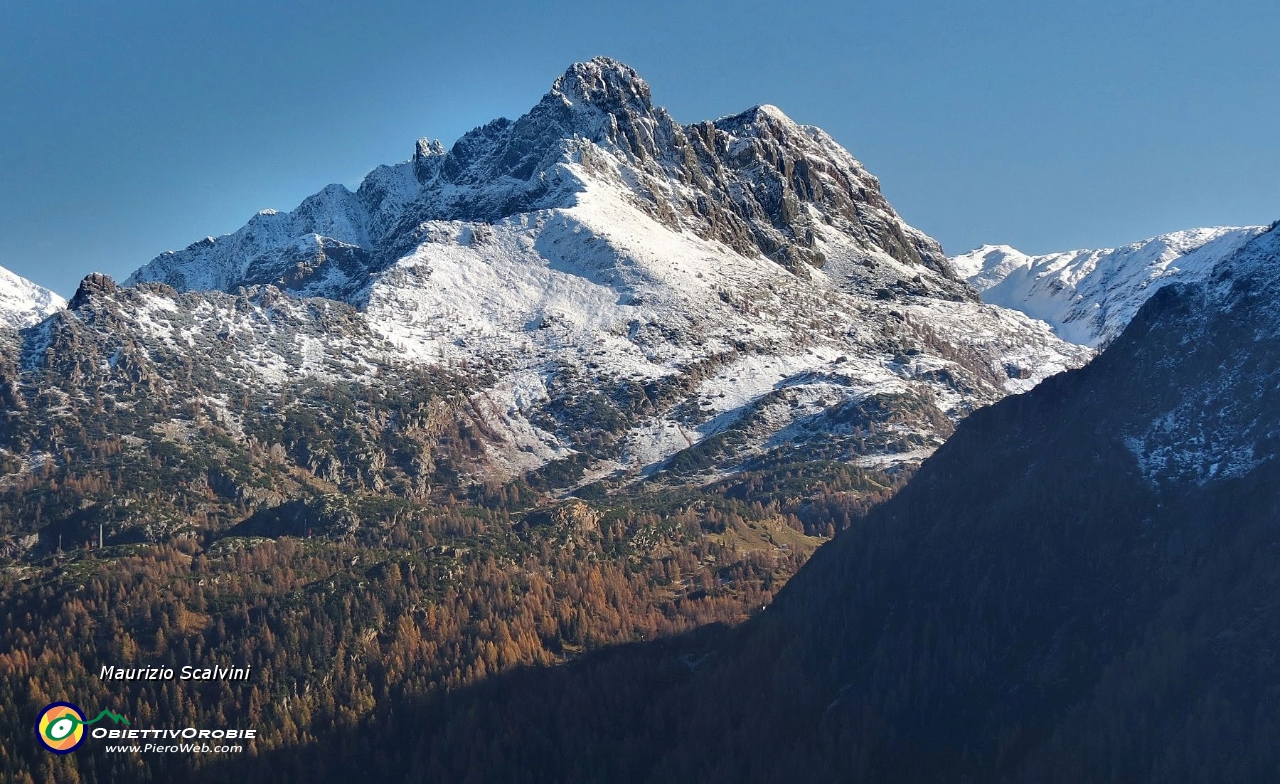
(60, 728)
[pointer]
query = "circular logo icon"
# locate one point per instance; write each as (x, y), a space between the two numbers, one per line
(60, 727)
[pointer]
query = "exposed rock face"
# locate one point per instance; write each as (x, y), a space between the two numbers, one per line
(94, 283)
(756, 182)
(590, 292)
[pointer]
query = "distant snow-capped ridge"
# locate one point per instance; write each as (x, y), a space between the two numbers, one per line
(23, 303)
(1088, 296)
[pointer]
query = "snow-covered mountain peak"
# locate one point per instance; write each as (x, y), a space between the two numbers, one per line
(594, 247)
(773, 112)
(988, 263)
(23, 303)
(606, 103)
(763, 120)
(604, 83)
(427, 148)
(757, 183)
(1088, 296)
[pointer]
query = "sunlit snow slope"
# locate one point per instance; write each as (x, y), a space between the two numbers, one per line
(1088, 296)
(23, 303)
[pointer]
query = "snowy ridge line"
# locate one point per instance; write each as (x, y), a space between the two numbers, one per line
(1088, 296)
(23, 303)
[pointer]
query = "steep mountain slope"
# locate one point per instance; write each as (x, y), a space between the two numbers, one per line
(1080, 585)
(1088, 296)
(638, 287)
(23, 303)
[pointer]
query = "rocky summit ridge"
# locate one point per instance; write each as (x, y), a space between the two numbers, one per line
(756, 182)
(592, 291)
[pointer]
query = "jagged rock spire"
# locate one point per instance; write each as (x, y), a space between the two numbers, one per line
(606, 84)
(93, 283)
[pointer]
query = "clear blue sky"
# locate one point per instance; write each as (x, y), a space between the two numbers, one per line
(130, 128)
